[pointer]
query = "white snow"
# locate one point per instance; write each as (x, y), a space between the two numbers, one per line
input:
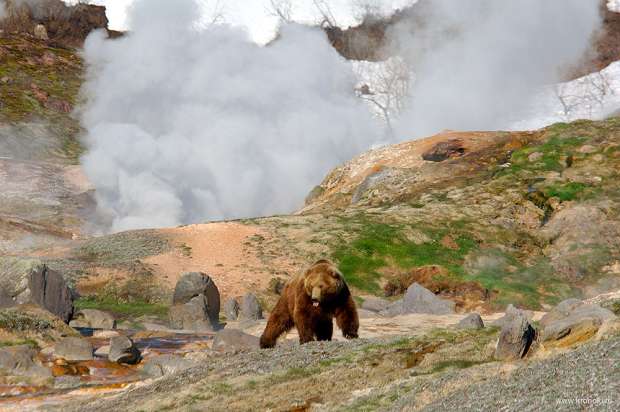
(614, 5)
(594, 96)
(258, 18)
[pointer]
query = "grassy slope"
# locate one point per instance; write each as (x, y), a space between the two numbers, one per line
(27, 65)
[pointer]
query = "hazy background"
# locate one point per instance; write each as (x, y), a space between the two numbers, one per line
(478, 63)
(186, 125)
(188, 122)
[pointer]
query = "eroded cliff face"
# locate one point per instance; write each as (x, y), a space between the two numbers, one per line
(64, 25)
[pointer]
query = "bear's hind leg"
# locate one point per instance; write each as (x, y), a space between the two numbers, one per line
(324, 329)
(280, 321)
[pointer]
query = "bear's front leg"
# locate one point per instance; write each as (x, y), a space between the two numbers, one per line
(279, 322)
(303, 323)
(324, 329)
(347, 319)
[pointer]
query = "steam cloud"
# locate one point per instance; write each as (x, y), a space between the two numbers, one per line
(187, 123)
(478, 63)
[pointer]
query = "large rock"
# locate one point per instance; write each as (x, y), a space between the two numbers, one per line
(193, 315)
(20, 361)
(74, 349)
(562, 310)
(25, 281)
(231, 309)
(375, 304)
(515, 338)
(509, 314)
(471, 321)
(230, 340)
(162, 365)
(93, 318)
(250, 308)
(123, 350)
(193, 284)
(570, 324)
(419, 300)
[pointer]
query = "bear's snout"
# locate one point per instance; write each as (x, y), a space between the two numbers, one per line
(316, 294)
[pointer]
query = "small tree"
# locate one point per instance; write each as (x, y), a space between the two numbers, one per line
(385, 85)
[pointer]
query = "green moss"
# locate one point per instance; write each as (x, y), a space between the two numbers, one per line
(292, 374)
(29, 342)
(123, 310)
(17, 321)
(514, 282)
(378, 245)
(566, 192)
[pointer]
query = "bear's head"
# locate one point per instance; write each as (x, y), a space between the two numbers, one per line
(323, 282)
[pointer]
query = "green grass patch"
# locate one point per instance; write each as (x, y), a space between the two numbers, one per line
(379, 245)
(123, 310)
(29, 342)
(292, 374)
(566, 192)
(520, 284)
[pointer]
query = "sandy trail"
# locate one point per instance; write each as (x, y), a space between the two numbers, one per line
(218, 249)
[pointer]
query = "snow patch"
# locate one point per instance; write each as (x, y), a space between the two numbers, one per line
(594, 97)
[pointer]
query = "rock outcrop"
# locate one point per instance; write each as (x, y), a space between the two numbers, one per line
(123, 350)
(573, 322)
(93, 318)
(471, 321)
(515, 339)
(375, 304)
(20, 361)
(73, 349)
(418, 299)
(230, 340)
(29, 281)
(231, 309)
(62, 24)
(250, 308)
(192, 284)
(162, 365)
(193, 315)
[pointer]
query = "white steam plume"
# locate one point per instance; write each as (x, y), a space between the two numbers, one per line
(187, 124)
(478, 63)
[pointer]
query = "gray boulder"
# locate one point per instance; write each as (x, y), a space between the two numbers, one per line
(20, 361)
(74, 349)
(162, 365)
(471, 321)
(250, 308)
(579, 323)
(375, 304)
(93, 318)
(418, 299)
(24, 281)
(231, 309)
(123, 350)
(193, 284)
(103, 351)
(509, 314)
(230, 340)
(562, 310)
(192, 315)
(515, 339)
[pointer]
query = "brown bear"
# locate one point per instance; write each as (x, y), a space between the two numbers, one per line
(310, 302)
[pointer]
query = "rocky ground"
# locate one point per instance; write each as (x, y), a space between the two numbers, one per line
(520, 227)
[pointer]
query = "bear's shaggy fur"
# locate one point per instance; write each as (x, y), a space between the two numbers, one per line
(309, 302)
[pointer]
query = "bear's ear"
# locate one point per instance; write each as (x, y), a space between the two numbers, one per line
(335, 274)
(321, 262)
